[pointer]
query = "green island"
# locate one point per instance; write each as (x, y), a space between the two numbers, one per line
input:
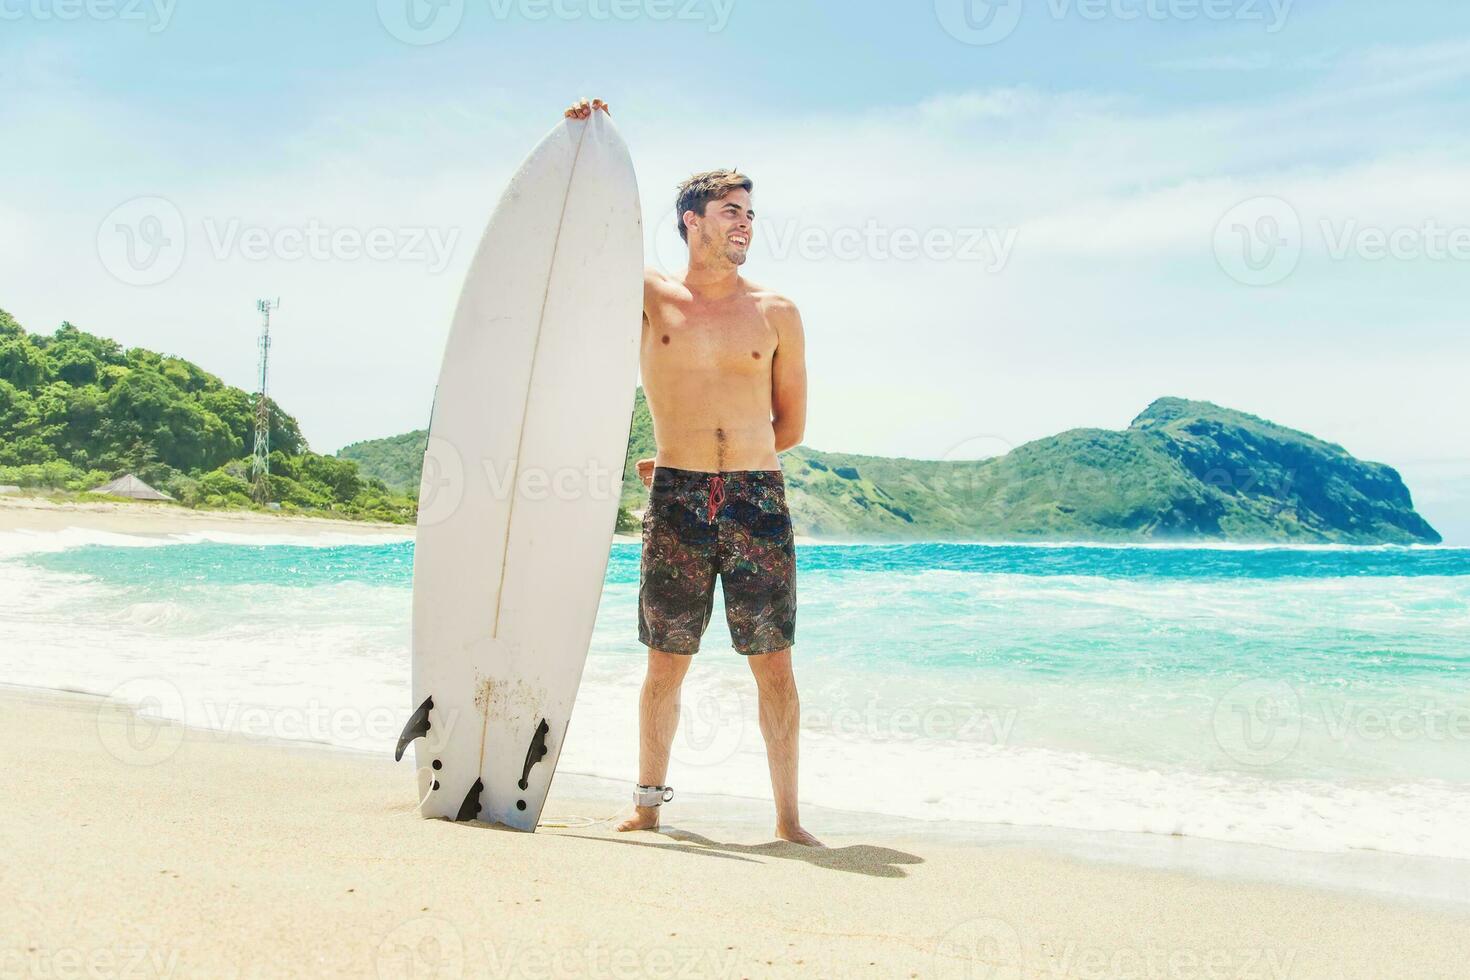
(77, 410)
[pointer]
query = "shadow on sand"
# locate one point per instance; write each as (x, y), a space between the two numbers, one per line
(863, 859)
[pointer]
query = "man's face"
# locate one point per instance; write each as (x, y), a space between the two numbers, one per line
(726, 228)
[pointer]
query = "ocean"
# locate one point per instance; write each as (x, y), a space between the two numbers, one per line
(1315, 699)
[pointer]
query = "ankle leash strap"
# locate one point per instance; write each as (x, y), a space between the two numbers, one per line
(653, 795)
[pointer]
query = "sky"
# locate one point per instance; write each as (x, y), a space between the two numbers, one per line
(999, 220)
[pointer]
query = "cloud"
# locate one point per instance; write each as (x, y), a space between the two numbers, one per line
(1255, 61)
(1414, 58)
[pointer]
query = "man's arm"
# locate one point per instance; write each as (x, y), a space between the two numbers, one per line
(651, 279)
(788, 376)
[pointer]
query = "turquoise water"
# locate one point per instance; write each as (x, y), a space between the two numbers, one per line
(1309, 698)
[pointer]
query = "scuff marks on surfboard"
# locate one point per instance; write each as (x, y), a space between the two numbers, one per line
(495, 698)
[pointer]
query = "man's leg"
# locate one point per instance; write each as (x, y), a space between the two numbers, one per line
(780, 713)
(658, 718)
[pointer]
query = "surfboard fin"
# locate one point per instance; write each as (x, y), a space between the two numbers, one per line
(535, 753)
(417, 727)
(470, 808)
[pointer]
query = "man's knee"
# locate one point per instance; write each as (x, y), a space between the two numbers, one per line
(665, 671)
(773, 672)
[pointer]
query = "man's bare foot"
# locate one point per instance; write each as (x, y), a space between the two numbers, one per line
(796, 835)
(646, 818)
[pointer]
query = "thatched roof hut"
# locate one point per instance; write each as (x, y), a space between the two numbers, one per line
(132, 487)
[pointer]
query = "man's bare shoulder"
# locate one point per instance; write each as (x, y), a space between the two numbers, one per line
(659, 283)
(662, 278)
(770, 301)
(778, 309)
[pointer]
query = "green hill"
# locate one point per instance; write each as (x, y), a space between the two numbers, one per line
(77, 410)
(395, 461)
(1182, 470)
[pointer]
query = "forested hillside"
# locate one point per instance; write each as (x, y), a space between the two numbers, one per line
(77, 409)
(1183, 470)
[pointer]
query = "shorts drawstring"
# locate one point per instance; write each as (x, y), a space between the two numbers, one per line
(716, 496)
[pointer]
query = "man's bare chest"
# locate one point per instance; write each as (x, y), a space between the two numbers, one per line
(734, 338)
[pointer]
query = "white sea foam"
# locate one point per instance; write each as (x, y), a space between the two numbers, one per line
(17, 543)
(883, 762)
(24, 542)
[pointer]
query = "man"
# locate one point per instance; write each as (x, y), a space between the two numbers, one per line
(724, 370)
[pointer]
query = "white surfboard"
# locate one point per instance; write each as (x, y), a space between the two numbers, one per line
(522, 475)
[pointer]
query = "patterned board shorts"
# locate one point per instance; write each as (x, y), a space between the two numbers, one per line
(734, 525)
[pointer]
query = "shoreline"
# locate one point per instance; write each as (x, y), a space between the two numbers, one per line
(216, 854)
(42, 514)
(1415, 880)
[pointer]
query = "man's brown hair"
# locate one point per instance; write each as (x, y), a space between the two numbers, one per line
(696, 193)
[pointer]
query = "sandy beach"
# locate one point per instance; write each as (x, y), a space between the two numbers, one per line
(21, 513)
(138, 848)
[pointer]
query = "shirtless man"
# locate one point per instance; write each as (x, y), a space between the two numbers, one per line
(724, 370)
